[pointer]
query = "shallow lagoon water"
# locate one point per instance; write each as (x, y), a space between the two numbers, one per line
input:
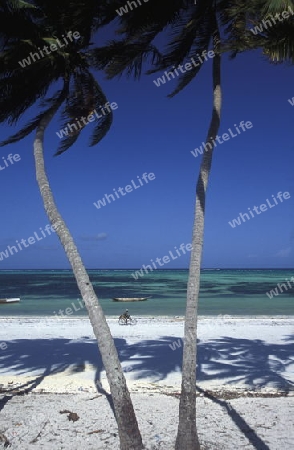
(223, 291)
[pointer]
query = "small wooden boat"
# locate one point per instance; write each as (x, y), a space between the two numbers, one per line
(9, 300)
(130, 299)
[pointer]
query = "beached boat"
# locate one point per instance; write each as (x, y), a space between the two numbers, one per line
(9, 300)
(130, 299)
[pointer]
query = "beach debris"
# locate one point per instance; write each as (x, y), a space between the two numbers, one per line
(65, 411)
(93, 398)
(71, 415)
(158, 438)
(4, 439)
(96, 431)
(39, 434)
(82, 389)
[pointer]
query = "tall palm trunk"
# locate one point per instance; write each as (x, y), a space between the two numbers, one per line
(129, 434)
(187, 438)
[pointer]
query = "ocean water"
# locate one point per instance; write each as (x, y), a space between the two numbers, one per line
(233, 292)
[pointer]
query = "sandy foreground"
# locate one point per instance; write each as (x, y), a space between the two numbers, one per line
(54, 391)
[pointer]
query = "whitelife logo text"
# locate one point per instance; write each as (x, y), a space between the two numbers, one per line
(9, 160)
(225, 136)
(124, 191)
(263, 208)
(168, 76)
(48, 49)
(271, 21)
(129, 6)
(281, 286)
(162, 261)
(25, 243)
(72, 128)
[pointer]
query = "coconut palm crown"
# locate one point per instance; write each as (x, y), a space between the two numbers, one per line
(49, 25)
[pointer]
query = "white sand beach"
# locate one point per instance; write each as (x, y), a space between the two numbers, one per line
(245, 382)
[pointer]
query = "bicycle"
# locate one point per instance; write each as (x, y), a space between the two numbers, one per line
(123, 320)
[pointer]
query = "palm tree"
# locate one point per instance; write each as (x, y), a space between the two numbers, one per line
(274, 35)
(78, 93)
(194, 29)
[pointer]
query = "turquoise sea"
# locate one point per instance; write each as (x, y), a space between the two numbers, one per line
(223, 291)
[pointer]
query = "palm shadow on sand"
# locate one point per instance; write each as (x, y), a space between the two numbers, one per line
(254, 363)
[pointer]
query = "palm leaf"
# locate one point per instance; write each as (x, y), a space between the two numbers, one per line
(31, 126)
(104, 123)
(85, 96)
(275, 6)
(20, 4)
(124, 56)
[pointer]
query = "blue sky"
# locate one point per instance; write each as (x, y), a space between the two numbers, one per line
(154, 134)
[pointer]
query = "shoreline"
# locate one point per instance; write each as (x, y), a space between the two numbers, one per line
(153, 317)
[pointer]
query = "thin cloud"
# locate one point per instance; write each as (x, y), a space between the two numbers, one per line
(284, 252)
(39, 247)
(96, 237)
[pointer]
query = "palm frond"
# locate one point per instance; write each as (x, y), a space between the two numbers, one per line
(20, 4)
(279, 43)
(151, 16)
(67, 143)
(124, 56)
(275, 6)
(85, 98)
(25, 80)
(193, 30)
(104, 123)
(185, 79)
(32, 125)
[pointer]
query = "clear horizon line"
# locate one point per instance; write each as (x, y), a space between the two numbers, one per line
(175, 268)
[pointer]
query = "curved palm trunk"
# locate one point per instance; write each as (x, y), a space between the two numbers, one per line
(129, 434)
(187, 438)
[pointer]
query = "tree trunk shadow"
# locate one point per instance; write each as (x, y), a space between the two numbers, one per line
(251, 435)
(24, 388)
(102, 391)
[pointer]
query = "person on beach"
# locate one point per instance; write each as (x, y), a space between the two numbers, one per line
(126, 314)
